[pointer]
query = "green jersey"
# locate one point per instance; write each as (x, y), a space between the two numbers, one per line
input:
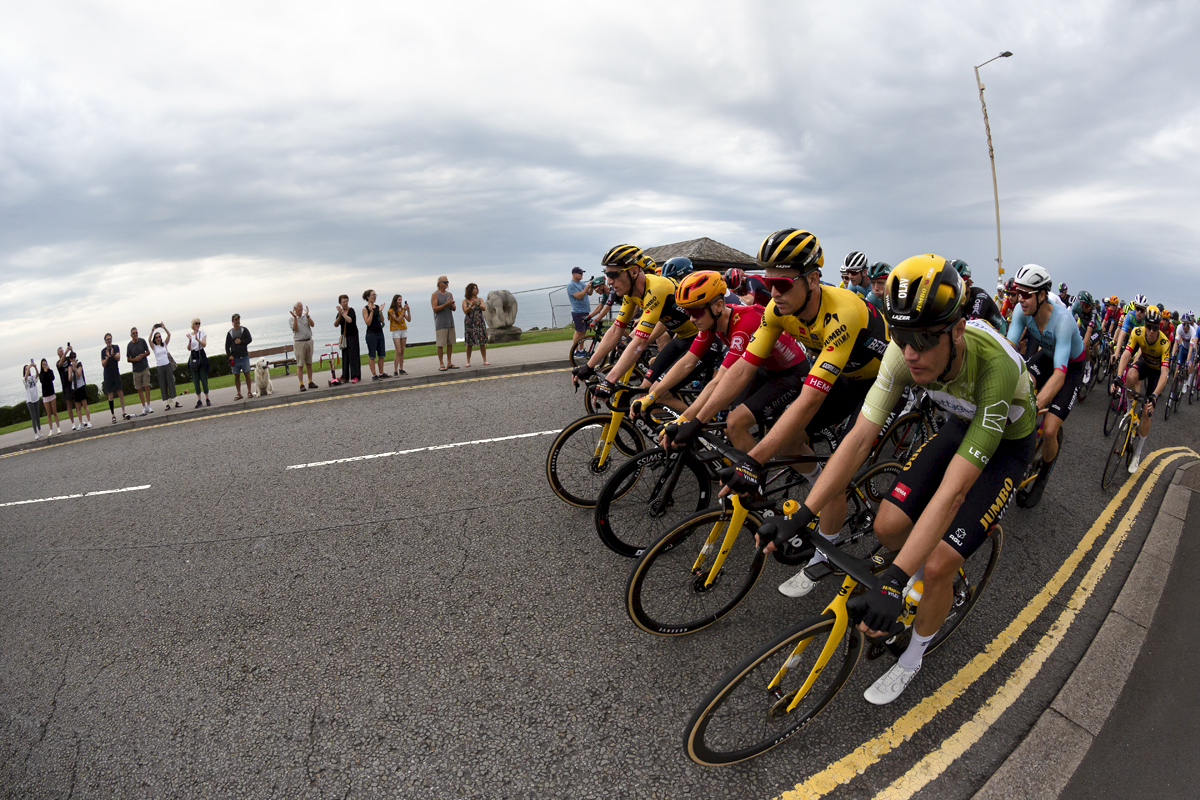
(992, 391)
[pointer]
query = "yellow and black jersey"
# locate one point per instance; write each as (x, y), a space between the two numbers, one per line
(846, 338)
(1152, 354)
(658, 305)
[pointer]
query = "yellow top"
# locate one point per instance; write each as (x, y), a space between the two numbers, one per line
(1152, 354)
(396, 321)
(658, 305)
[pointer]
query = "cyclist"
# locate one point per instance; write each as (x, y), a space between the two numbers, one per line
(877, 273)
(1112, 315)
(1057, 363)
(854, 273)
(605, 303)
(655, 296)
(956, 486)
(1134, 317)
(677, 268)
(748, 288)
(1169, 318)
(777, 382)
(848, 336)
(979, 304)
(1088, 321)
(1010, 299)
(1183, 350)
(1064, 295)
(1152, 348)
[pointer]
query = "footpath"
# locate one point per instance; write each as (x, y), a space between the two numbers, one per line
(503, 360)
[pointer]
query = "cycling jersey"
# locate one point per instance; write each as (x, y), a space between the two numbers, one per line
(980, 305)
(743, 322)
(1111, 314)
(992, 392)
(875, 301)
(861, 291)
(1152, 354)
(1085, 320)
(847, 338)
(1130, 322)
(658, 305)
(1061, 336)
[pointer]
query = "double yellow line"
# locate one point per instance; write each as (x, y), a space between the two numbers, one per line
(935, 763)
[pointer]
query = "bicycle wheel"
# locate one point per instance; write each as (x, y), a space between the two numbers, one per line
(666, 597)
(902, 438)
(1116, 456)
(647, 496)
(571, 465)
(1116, 408)
(1089, 372)
(743, 717)
(972, 579)
(869, 489)
(1167, 405)
(583, 349)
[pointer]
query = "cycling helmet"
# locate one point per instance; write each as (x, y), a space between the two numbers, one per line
(961, 267)
(1010, 285)
(923, 292)
(700, 288)
(855, 259)
(879, 270)
(1140, 300)
(734, 278)
(598, 281)
(1085, 298)
(1153, 316)
(624, 256)
(1161, 307)
(1034, 277)
(650, 265)
(791, 249)
(1062, 287)
(677, 268)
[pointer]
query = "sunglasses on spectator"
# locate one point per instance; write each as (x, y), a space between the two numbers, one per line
(781, 285)
(918, 340)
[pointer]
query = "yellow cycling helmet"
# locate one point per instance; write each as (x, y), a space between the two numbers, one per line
(624, 256)
(922, 292)
(650, 265)
(700, 288)
(791, 249)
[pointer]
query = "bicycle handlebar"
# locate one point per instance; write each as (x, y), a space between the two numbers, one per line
(782, 529)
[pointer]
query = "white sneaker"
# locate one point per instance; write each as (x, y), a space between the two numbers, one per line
(1133, 465)
(58, 430)
(890, 685)
(37, 436)
(797, 586)
(87, 424)
(74, 426)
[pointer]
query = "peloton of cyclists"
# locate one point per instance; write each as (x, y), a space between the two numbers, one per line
(1184, 353)
(1150, 345)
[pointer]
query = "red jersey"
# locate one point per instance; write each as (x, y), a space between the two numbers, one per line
(743, 322)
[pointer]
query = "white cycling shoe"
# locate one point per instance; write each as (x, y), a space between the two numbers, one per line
(1133, 465)
(890, 685)
(798, 585)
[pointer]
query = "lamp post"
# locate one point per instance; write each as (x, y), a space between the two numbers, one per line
(992, 158)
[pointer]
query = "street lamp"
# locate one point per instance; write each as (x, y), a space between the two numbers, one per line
(992, 157)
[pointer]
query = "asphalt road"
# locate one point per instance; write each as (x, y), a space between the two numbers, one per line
(435, 624)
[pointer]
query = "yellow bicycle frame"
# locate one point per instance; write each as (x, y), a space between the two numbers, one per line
(841, 622)
(609, 434)
(732, 529)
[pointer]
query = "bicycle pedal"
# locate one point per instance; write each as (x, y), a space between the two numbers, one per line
(819, 571)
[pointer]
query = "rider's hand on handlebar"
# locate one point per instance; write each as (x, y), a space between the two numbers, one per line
(885, 604)
(604, 389)
(681, 431)
(643, 404)
(581, 373)
(745, 477)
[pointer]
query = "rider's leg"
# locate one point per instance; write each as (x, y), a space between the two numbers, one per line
(737, 428)
(1050, 426)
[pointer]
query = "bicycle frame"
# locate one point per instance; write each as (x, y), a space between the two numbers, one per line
(841, 624)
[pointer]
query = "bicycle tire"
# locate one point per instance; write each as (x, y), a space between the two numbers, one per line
(631, 506)
(1116, 456)
(1114, 412)
(970, 582)
(569, 463)
(734, 724)
(1167, 406)
(902, 438)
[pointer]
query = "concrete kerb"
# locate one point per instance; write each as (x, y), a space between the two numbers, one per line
(1042, 765)
(293, 397)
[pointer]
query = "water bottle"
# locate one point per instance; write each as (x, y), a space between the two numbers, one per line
(911, 600)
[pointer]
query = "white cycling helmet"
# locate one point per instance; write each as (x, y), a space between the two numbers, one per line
(1140, 300)
(854, 260)
(1034, 277)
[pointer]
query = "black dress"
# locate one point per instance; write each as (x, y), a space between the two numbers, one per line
(351, 353)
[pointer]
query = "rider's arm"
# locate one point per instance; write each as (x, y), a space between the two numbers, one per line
(790, 425)
(1017, 326)
(960, 476)
(723, 393)
(613, 335)
(1126, 355)
(682, 367)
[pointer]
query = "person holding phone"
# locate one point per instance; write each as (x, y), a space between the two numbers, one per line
(399, 315)
(110, 359)
(442, 302)
(49, 399)
(372, 316)
(198, 359)
(79, 390)
(302, 345)
(29, 379)
(63, 365)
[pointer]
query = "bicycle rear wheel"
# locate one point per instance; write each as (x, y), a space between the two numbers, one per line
(1116, 407)
(1116, 456)
(571, 465)
(742, 717)
(902, 438)
(667, 597)
(647, 496)
(1167, 405)
(972, 579)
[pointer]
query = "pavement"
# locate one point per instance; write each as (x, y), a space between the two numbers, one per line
(286, 388)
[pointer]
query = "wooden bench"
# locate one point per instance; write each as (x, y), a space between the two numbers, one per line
(284, 350)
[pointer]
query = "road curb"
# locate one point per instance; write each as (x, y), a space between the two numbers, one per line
(1042, 765)
(288, 399)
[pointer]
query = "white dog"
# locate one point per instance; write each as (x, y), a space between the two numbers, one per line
(262, 378)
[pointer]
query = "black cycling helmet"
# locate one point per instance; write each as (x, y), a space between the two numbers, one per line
(961, 267)
(677, 268)
(923, 292)
(791, 248)
(624, 256)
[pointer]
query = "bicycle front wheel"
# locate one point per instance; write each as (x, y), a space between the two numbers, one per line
(1116, 456)
(575, 472)
(667, 596)
(743, 716)
(1115, 409)
(647, 496)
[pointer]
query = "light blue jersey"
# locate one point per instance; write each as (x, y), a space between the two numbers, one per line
(1061, 337)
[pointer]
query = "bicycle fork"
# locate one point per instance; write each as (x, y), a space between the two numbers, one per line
(840, 625)
(731, 532)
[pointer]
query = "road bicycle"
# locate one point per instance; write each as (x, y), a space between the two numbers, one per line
(1121, 454)
(1118, 404)
(703, 568)
(773, 693)
(582, 350)
(1035, 467)
(1174, 390)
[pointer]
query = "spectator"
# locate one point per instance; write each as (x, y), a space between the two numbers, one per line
(399, 316)
(302, 344)
(474, 330)
(581, 304)
(166, 365)
(62, 366)
(237, 347)
(110, 359)
(30, 380)
(46, 376)
(136, 353)
(79, 390)
(443, 322)
(372, 316)
(198, 359)
(351, 358)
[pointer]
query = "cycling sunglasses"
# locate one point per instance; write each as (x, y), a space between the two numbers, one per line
(697, 313)
(782, 285)
(1150, 326)
(854, 272)
(918, 340)
(613, 275)
(1025, 295)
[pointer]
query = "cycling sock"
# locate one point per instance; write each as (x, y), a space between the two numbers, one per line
(1138, 450)
(811, 476)
(912, 656)
(818, 556)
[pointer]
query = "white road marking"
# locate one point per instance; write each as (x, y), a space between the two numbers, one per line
(421, 449)
(73, 496)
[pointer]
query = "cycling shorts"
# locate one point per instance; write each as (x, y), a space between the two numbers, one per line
(674, 350)
(986, 499)
(771, 392)
(1041, 367)
(1148, 375)
(844, 400)
(1181, 357)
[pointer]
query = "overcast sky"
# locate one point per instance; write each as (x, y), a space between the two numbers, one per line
(168, 160)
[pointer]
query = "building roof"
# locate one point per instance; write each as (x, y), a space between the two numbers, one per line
(704, 253)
